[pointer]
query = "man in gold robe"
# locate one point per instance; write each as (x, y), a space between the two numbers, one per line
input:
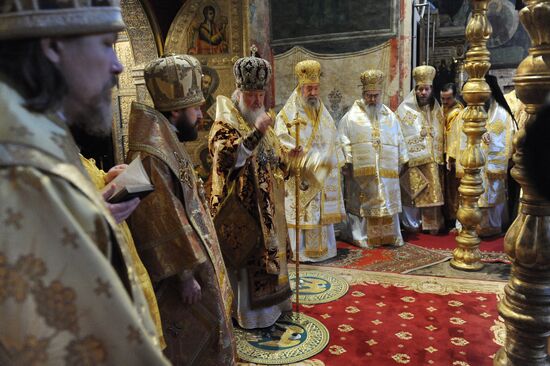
(172, 227)
(321, 205)
(497, 148)
(451, 110)
(375, 151)
(248, 169)
(68, 287)
(422, 124)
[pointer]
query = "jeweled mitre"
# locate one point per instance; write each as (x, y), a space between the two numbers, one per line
(372, 80)
(424, 75)
(252, 73)
(174, 82)
(308, 72)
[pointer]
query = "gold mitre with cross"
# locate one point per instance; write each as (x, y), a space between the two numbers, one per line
(34, 19)
(174, 82)
(372, 80)
(252, 73)
(424, 75)
(308, 72)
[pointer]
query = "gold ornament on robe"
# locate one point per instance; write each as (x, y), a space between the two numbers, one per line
(372, 80)
(424, 75)
(308, 72)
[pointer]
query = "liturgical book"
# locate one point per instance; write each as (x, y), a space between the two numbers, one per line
(133, 182)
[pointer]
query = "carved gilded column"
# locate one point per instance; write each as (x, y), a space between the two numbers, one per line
(526, 304)
(466, 255)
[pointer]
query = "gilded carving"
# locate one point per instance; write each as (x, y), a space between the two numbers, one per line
(466, 255)
(524, 307)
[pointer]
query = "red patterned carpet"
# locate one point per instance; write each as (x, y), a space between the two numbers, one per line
(385, 259)
(390, 319)
(492, 248)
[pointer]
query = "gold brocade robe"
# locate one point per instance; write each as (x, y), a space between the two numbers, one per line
(319, 205)
(376, 149)
(259, 188)
(98, 178)
(423, 130)
(451, 116)
(175, 238)
(498, 152)
(61, 300)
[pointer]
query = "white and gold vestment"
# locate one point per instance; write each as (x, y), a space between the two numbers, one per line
(498, 152)
(320, 206)
(423, 130)
(373, 143)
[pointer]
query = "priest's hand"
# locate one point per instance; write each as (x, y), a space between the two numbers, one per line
(486, 138)
(114, 172)
(120, 211)
(263, 122)
(190, 291)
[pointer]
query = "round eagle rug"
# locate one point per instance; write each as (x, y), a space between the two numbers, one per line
(317, 287)
(293, 338)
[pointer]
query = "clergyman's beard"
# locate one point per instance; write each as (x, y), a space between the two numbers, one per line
(250, 114)
(93, 117)
(424, 101)
(186, 131)
(312, 102)
(372, 110)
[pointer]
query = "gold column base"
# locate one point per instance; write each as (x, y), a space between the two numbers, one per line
(525, 309)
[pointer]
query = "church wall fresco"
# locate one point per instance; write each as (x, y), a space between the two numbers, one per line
(341, 70)
(332, 26)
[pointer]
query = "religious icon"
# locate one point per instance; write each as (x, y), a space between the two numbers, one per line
(209, 85)
(209, 36)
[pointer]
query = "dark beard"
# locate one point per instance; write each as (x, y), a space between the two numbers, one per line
(186, 131)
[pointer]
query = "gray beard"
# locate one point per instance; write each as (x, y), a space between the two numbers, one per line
(312, 102)
(250, 115)
(372, 111)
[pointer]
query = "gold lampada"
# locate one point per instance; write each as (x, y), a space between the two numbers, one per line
(525, 306)
(476, 91)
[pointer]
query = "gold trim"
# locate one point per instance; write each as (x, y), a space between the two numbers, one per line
(422, 161)
(372, 171)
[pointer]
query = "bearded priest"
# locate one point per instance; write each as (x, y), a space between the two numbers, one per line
(321, 205)
(375, 152)
(247, 197)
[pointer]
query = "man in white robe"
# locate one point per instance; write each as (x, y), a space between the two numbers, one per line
(375, 151)
(321, 205)
(497, 147)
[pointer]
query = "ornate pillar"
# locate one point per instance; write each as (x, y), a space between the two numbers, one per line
(526, 304)
(466, 255)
